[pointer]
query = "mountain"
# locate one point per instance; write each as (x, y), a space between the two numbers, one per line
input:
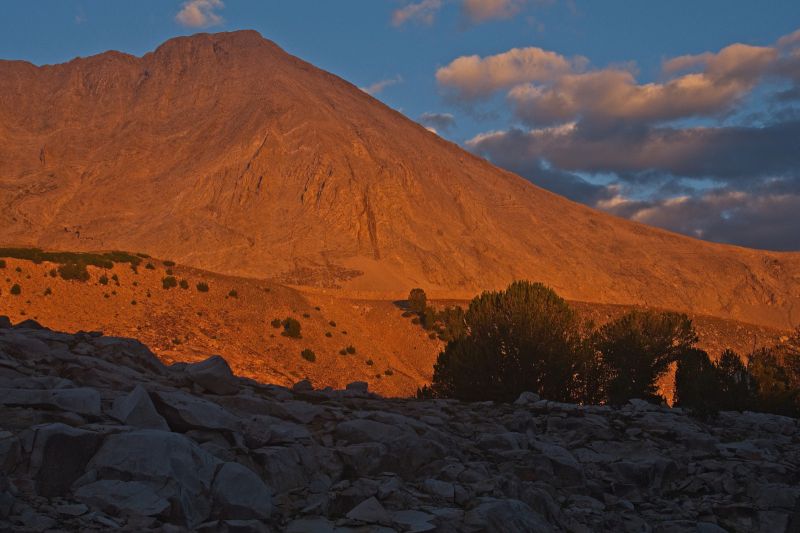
(226, 153)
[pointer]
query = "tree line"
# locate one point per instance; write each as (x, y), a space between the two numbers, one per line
(527, 338)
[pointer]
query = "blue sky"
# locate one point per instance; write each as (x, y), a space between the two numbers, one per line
(594, 51)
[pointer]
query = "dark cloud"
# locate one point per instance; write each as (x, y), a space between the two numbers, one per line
(764, 219)
(721, 153)
(440, 121)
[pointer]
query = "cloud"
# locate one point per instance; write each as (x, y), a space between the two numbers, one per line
(471, 77)
(423, 12)
(438, 121)
(378, 87)
(483, 10)
(766, 219)
(200, 13)
(724, 153)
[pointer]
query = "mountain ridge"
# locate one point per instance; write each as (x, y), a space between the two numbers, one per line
(228, 154)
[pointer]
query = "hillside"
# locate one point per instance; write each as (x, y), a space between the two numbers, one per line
(226, 153)
(185, 325)
(97, 435)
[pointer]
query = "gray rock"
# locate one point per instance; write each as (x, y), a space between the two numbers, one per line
(137, 410)
(527, 398)
(84, 401)
(59, 454)
(179, 469)
(240, 494)
(303, 385)
(214, 375)
(125, 498)
(370, 511)
(358, 386)
(184, 411)
(505, 516)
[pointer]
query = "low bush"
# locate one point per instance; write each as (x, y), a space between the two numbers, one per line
(343, 351)
(169, 282)
(328, 334)
(150, 266)
(48, 291)
(202, 286)
(233, 294)
(291, 328)
(276, 323)
(103, 280)
(389, 372)
(169, 263)
(332, 324)
(183, 284)
(2, 263)
(73, 271)
(370, 362)
(308, 355)
(16, 290)
(351, 349)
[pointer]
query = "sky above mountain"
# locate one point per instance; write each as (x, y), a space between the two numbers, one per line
(684, 115)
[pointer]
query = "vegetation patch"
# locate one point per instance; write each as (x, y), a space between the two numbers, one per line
(169, 282)
(73, 272)
(291, 328)
(308, 355)
(202, 286)
(16, 290)
(101, 260)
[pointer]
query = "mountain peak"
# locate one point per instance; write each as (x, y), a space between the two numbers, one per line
(226, 153)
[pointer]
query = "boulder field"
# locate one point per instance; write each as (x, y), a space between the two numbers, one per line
(96, 434)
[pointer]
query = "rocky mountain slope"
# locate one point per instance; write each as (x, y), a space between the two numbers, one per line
(185, 325)
(97, 434)
(226, 153)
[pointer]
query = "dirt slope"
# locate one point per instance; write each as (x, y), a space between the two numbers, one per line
(188, 325)
(227, 154)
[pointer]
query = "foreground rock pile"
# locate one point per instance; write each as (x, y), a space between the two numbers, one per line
(96, 434)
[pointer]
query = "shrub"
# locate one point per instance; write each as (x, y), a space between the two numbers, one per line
(150, 266)
(351, 349)
(74, 271)
(202, 286)
(415, 320)
(116, 279)
(308, 355)
(16, 290)
(48, 291)
(176, 341)
(370, 362)
(775, 393)
(169, 282)
(276, 323)
(525, 338)
(169, 263)
(183, 284)
(328, 334)
(332, 324)
(417, 300)
(233, 294)
(432, 335)
(737, 388)
(133, 302)
(306, 315)
(638, 348)
(53, 272)
(169, 272)
(291, 328)
(103, 280)
(18, 269)
(2, 263)
(343, 351)
(697, 383)
(389, 372)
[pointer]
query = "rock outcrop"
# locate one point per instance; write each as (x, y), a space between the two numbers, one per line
(96, 434)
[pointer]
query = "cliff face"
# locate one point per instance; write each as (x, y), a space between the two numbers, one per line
(224, 152)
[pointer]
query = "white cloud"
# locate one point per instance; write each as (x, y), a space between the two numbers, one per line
(378, 87)
(423, 12)
(200, 13)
